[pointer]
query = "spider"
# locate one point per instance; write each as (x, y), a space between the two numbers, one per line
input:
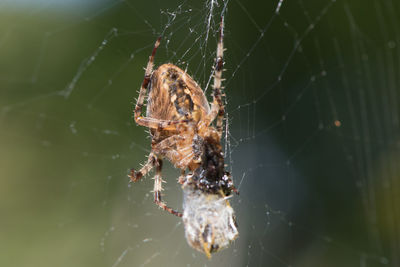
(180, 121)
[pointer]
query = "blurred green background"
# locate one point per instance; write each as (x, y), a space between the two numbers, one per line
(312, 143)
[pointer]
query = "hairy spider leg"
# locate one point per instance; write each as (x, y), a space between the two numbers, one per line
(168, 125)
(158, 188)
(181, 157)
(135, 176)
(146, 81)
(217, 108)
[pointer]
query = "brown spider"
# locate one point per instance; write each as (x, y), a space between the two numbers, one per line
(179, 118)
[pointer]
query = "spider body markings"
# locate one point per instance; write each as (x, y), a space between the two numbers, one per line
(180, 119)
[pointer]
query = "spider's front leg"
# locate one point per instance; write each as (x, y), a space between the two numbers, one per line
(158, 188)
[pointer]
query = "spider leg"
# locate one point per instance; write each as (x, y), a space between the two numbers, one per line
(217, 107)
(145, 121)
(181, 157)
(165, 148)
(158, 188)
(167, 144)
(137, 175)
(146, 81)
(159, 124)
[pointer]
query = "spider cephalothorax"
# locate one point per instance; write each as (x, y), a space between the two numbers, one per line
(180, 121)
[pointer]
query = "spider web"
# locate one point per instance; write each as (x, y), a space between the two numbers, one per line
(311, 139)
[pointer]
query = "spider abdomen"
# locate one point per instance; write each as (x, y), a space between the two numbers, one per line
(174, 95)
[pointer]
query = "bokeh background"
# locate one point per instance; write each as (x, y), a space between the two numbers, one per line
(312, 138)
